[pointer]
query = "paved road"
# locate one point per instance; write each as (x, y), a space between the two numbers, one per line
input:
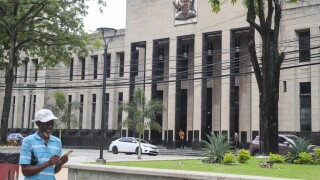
(89, 155)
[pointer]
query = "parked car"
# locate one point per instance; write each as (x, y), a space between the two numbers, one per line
(283, 142)
(130, 145)
(14, 139)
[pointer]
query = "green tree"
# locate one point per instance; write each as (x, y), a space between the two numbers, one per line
(138, 111)
(63, 110)
(50, 30)
(266, 69)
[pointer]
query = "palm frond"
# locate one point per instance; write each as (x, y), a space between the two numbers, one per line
(215, 148)
(298, 146)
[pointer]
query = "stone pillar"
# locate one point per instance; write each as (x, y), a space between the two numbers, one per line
(172, 95)
(225, 82)
(196, 124)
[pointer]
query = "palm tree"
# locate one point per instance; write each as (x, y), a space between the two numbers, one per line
(63, 110)
(138, 110)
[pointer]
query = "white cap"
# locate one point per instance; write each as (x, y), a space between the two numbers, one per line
(44, 115)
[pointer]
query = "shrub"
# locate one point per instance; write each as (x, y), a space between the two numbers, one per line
(229, 159)
(243, 156)
(276, 158)
(304, 158)
(317, 153)
(215, 148)
(298, 146)
(317, 156)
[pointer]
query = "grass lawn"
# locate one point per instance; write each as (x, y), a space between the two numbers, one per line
(295, 171)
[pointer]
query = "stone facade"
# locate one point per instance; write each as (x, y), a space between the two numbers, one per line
(202, 91)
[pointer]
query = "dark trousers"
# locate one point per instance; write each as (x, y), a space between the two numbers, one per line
(181, 143)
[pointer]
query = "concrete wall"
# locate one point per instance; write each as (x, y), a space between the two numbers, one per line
(102, 172)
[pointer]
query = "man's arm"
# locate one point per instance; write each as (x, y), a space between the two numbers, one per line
(30, 170)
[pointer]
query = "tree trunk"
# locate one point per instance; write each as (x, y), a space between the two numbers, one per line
(8, 90)
(269, 96)
(139, 150)
(269, 123)
(6, 104)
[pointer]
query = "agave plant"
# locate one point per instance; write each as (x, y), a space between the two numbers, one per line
(296, 147)
(215, 148)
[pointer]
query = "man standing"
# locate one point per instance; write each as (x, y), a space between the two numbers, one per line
(181, 136)
(236, 139)
(41, 151)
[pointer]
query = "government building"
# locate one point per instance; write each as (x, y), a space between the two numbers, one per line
(195, 61)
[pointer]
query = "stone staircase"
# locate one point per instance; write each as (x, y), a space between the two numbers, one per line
(178, 151)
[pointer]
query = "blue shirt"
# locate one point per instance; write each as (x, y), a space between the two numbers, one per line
(43, 152)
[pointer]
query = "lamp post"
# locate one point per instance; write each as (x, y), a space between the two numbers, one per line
(106, 40)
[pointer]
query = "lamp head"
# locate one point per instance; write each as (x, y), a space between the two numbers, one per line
(104, 30)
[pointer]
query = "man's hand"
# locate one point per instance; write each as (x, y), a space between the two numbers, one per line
(63, 160)
(53, 160)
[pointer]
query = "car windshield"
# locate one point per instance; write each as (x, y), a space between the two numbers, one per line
(292, 137)
(143, 141)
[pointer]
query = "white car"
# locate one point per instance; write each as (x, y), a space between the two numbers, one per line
(130, 145)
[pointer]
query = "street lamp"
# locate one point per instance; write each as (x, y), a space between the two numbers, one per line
(106, 40)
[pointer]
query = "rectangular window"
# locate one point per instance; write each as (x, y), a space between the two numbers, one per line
(70, 99)
(81, 111)
(108, 70)
(184, 62)
(160, 64)
(209, 64)
(34, 108)
(284, 86)
(305, 107)
(15, 74)
(237, 56)
(121, 65)
(83, 68)
(95, 67)
(69, 109)
(106, 101)
(304, 46)
(134, 64)
(23, 111)
(71, 70)
(25, 70)
(93, 111)
(69, 102)
(35, 63)
(13, 108)
(120, 100)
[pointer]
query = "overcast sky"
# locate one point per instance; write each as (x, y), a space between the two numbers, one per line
(113, 16)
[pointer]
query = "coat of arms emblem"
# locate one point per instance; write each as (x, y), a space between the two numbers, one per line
(184, 9)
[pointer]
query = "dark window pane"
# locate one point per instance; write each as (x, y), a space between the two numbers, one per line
(121, 70)
(83, 69)
(304, 46)
(108, 70)
(305, 88)
(95, 67)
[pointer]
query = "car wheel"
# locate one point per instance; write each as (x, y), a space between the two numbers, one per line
(114, 150)
(256, 153)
